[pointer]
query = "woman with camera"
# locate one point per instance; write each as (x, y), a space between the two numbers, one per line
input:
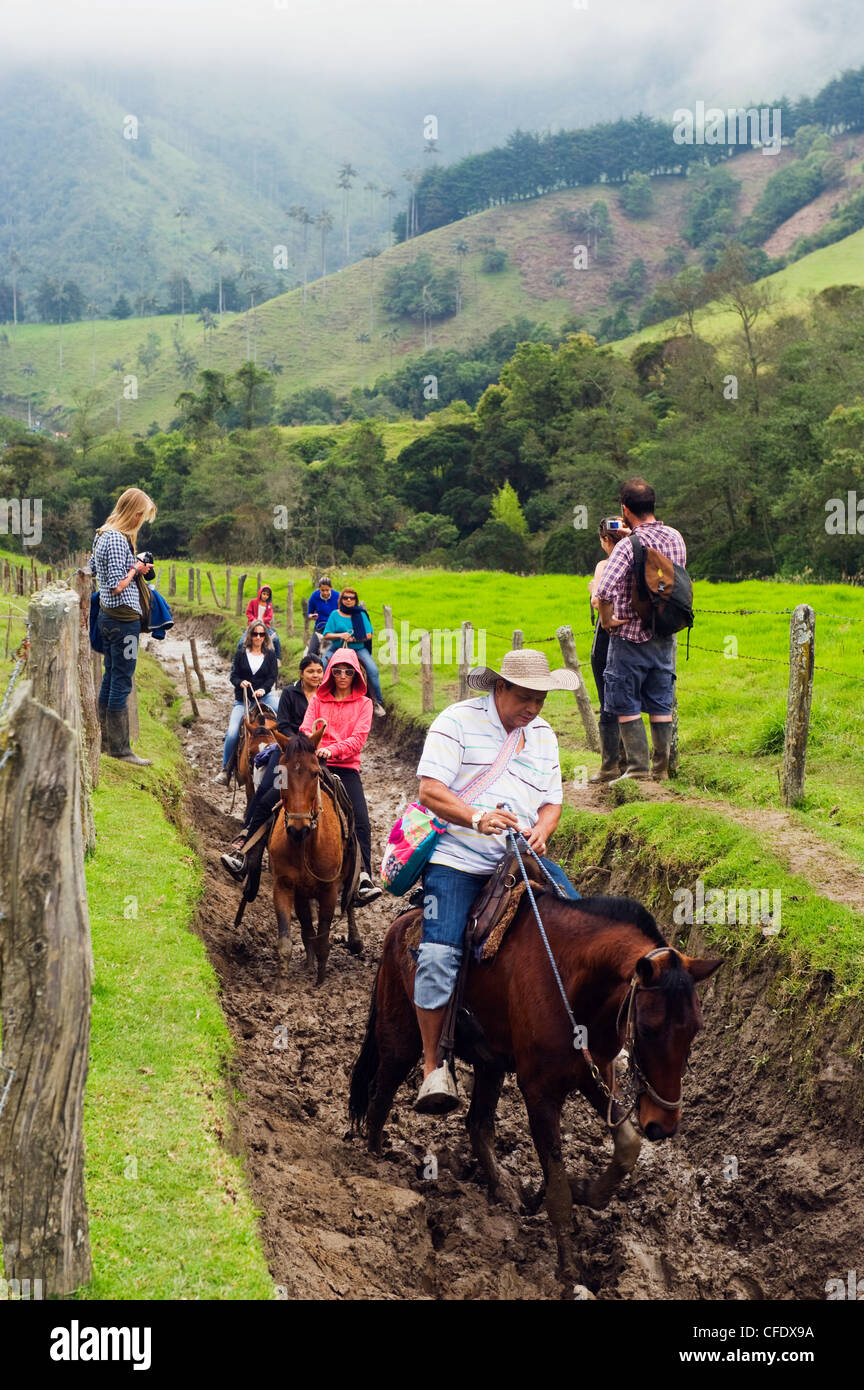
(120, 574)
(612, 529)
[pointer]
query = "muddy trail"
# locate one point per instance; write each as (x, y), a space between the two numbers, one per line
(753, 1199)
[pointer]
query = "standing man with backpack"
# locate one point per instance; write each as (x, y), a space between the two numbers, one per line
(645, 597)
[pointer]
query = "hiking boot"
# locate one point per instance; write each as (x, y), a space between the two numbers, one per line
(378, 708)
(609, 742)
(438, 1094)
(222, 779)
(235, 864)
(117, 725)
(661, 740)
(635, 740)
(367, 891)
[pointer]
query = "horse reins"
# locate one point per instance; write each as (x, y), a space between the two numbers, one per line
(312, 817)
(635, 1074)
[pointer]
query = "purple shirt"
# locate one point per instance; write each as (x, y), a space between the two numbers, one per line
(616, 580)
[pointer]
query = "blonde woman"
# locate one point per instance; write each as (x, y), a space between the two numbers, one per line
(115, 566)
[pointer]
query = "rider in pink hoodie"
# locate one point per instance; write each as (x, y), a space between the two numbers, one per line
(341, 701)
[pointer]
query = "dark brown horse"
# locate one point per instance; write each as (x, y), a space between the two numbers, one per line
(311, 859)
(254, 737)
(622, 980)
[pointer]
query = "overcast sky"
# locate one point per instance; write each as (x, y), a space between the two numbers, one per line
(721, 52)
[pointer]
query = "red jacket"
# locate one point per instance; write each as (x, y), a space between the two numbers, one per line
(252, 609)
(348, 721)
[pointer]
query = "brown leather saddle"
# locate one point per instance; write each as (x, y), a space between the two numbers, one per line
(492, 911)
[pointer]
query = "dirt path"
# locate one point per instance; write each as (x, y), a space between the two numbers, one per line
(747, 1203)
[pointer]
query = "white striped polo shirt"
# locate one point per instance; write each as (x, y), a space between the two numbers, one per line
(462, 740)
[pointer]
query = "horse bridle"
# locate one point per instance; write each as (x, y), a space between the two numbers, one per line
(311, 815)
(636, 1082)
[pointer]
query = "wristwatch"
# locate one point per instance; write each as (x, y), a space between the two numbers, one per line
(476, 819)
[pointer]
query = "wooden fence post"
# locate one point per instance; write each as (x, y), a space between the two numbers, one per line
(571, 660)
(241, 584)
(289, 605)
(258, 590)
(306, 620)
(54, 666)
(198, 586)
(802, 645)
(227, 588)
(673, 742)
(8, 632)
(82, 584)
(172, 581)
(191, 582)
(189, 689)
(518, 640)
(426, 675)
(213, 589)
(45, 969)
(466, 644)
(193, 647)
(394, 655)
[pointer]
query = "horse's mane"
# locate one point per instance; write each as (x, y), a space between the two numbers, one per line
(623, 910)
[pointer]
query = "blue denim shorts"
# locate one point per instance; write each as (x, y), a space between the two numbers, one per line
(639, 676)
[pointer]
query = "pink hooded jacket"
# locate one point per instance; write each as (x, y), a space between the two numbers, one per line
(348, 721)
(252, 609)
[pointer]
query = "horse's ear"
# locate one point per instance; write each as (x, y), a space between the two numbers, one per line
(250, 728)
(318, 732)
(281, 739)
(645, 970)
(700, 969)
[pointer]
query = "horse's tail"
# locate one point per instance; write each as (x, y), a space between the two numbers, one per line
(365, 1068)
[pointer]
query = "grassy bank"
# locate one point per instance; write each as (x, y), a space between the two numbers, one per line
(170, 1213)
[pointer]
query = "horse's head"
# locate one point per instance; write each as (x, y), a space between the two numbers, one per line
(663, 1019)
(259, 732)
(297, 779)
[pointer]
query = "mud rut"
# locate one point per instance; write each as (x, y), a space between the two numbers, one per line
(750, 1201)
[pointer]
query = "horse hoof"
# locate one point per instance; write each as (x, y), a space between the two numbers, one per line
(505, 1192)
(355, 947)
(531, 1198)
(321, 977)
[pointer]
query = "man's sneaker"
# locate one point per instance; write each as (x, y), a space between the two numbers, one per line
(367, 891)
(378, 708)
(235, 864)
(222, 779)
(438, 1094)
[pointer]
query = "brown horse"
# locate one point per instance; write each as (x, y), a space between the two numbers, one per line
(623, 982)
(254, 737)
(311, 860)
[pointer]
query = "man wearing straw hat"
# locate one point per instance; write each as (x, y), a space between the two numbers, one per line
(481, 754)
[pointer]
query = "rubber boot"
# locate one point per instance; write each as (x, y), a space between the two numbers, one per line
(118, 738)
(635, 741)
(661, 741)
(609, 740)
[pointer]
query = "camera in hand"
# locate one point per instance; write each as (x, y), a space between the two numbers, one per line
(146, 558)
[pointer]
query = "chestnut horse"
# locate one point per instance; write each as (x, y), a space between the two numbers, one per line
(622, 981)
(255, 737)
(311, 860)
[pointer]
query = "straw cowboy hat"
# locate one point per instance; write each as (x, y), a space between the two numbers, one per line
(527, 668)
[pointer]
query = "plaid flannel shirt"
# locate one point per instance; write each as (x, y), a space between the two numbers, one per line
(616, 579)
(111, 561)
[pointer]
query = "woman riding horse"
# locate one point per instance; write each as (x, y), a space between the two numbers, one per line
(254, 670)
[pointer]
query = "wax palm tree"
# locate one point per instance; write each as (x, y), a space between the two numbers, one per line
(412, 178)
(118, 366)
(115, 248)
(430, 307)
(247, 272)
(91, 311)
(29, 371)
(347, 173)
(324, 223)
(390, 336)
(209, 323)
(371, 188)
(59, 295)
(299, 214)
(18, 267)
(371, 254)
(461, 248)
(220, 250)
(256, 294)
(182, 214)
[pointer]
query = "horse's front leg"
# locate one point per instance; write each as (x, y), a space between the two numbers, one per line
(544, 1117)
(283, 901)
(488, 1080)
(307, 930)
(326, 911)
(598, 1192)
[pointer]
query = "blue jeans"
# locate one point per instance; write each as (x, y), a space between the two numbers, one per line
(447, 897)
(367, 662)
(639, 676)
(271, 700)
(121, 653)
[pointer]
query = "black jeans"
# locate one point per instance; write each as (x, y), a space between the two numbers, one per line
(599, 655)
(120, 640)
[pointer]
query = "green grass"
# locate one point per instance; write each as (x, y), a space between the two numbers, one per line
(170, 1212)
